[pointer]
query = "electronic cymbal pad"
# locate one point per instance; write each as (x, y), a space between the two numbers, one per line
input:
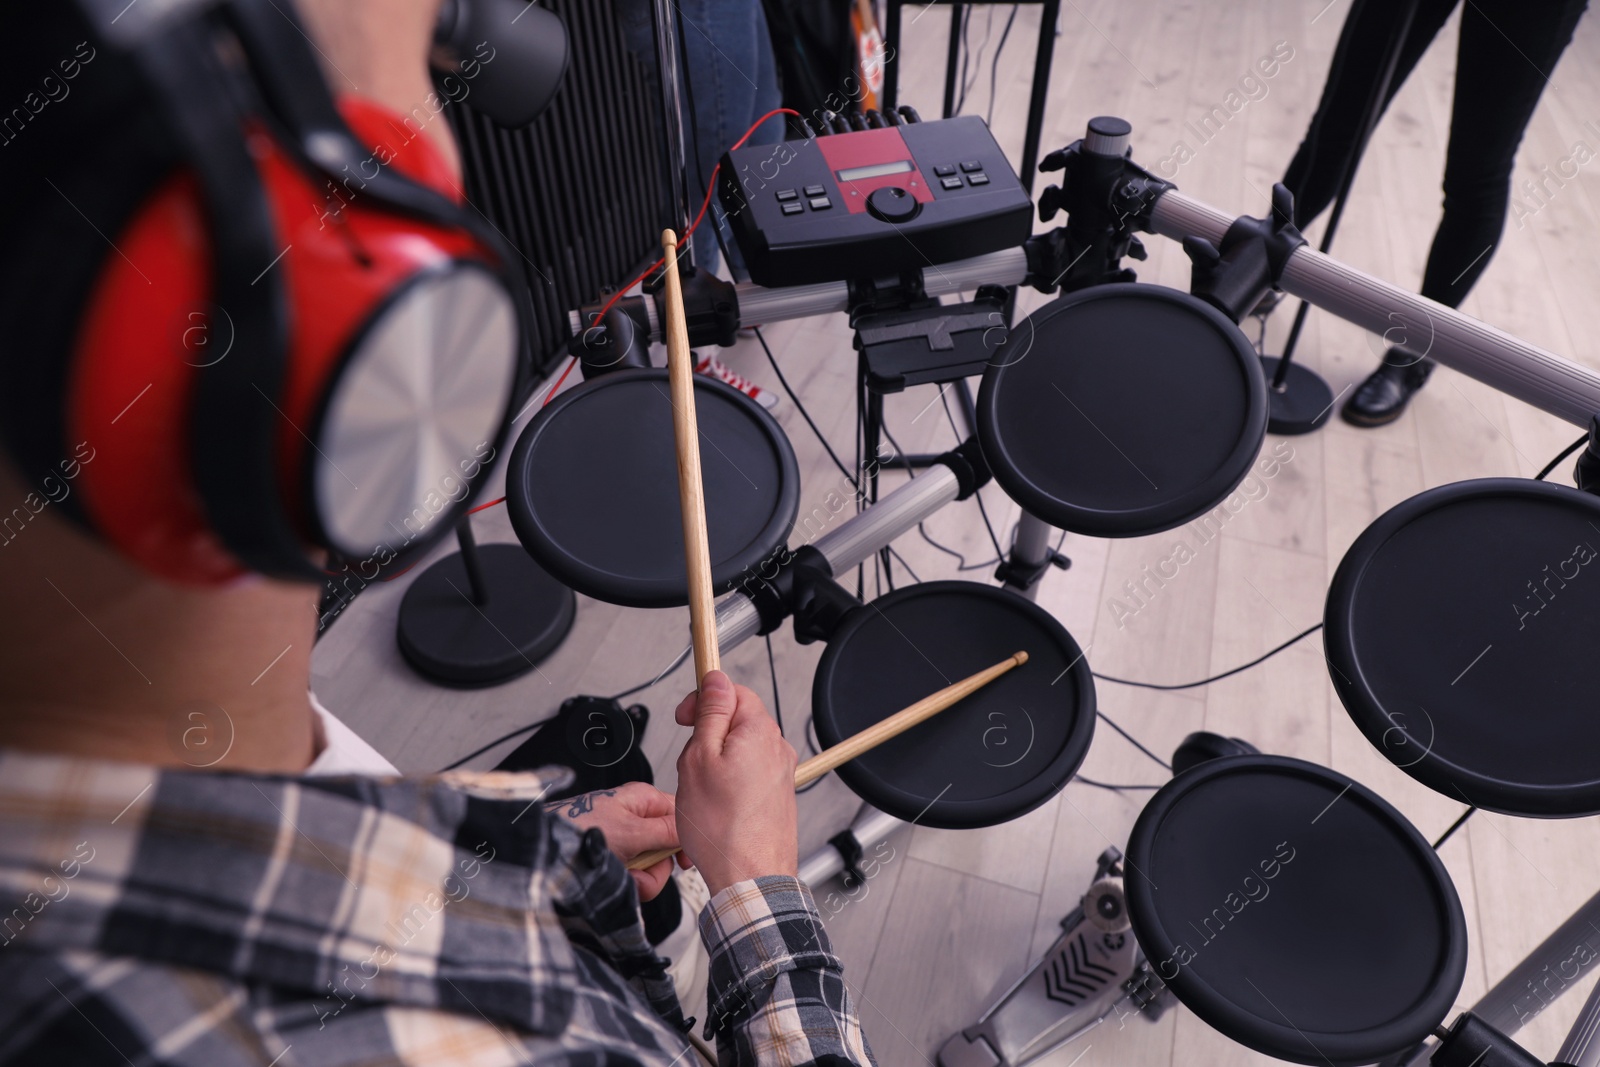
(1460, 629)
(1122, 410)
(1295, 911)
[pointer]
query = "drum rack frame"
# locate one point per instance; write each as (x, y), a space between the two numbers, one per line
(1090, 249)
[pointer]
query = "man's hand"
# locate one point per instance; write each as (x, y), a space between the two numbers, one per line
(636, 818)
(736, 809)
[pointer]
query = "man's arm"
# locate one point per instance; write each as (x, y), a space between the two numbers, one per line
(636, 818)
(777, 993)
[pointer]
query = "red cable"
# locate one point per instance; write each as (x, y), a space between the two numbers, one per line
(711, 188)
(572, 361)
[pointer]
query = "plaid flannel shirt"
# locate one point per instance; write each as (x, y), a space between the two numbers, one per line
(198, 918)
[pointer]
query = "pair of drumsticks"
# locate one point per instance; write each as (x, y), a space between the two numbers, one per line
(697, 551)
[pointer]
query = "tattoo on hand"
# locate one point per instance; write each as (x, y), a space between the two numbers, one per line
(582, 804)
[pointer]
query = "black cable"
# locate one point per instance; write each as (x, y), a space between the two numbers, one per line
(1108, 785)
(888, 551)
(777, 702)
(1214, 678)
(861, 428)
(681, 49)
(976, 495)
(1453, 828)
(961, 71)
(987, 525)
(837, 462)
(1134, 741)
(904, 564)
(1565, 452)
(961, 561)
(1261, 334)
(518, 732)
(899, 452)
(674, 665)
(962, 565)
(977, 60)
(994, 64)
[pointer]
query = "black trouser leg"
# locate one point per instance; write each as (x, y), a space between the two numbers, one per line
(1508, 50)
(1315, 172)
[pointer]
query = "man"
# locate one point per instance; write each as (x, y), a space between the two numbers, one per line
(184, 884)
(1504, 60)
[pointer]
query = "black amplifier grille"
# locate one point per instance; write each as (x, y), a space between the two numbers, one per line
(580, 192)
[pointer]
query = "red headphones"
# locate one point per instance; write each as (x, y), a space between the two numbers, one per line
(301, 340)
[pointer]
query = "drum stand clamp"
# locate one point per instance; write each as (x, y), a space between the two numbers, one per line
(1586, 472)
(1024, 574)
(1101, 190)
(1234, 276)
(1093, 973)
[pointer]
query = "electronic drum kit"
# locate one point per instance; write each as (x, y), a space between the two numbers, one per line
(1458, 627)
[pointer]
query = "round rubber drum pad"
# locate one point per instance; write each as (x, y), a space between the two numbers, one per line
(1122, 410)
(998, 753)
(593, 487)
(1295, 911)
(1461, 634)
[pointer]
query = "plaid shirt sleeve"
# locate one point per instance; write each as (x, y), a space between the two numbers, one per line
(777, 995)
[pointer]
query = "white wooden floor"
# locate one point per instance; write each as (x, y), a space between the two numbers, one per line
(957, 915)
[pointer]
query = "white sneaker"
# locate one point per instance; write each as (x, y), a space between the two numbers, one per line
(714, 367)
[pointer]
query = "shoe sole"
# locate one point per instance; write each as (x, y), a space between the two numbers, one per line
(1367, 422)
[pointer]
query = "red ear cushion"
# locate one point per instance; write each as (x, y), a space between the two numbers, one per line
(149, 331)
(403, 142)
(131, 385)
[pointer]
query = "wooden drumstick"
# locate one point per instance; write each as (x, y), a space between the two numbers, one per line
(691, 490)
(873, 736)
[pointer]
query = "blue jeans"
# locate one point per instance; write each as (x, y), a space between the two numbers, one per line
(731, 77)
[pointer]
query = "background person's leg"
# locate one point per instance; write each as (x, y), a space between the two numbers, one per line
(730, 75)
(732, 81)
(1507, 53)
(1314, 173)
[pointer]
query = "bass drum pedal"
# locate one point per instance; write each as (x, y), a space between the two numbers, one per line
(1094, 972)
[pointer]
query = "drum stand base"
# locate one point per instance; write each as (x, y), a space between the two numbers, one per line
(1094, 972)
(1302, 404)
(482, 616)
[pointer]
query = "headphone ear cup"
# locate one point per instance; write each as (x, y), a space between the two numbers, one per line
(404, 346)
(147, 332)
(404, 356)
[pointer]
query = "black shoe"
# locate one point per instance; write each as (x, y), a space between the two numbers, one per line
(1380, 399)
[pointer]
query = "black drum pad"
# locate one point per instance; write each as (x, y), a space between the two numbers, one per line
(1295, 911)
(593, 487)
(997, 754)
(1122, 410)
(1461, 635)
